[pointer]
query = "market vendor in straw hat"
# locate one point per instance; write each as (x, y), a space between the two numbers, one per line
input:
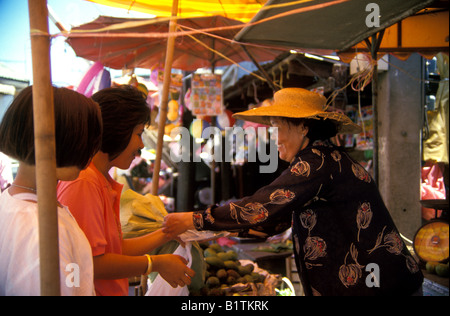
(345, 241)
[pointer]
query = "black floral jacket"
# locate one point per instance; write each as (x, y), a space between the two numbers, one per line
(345, 242)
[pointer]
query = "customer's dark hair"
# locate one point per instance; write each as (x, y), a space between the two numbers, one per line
(123, 108)
(78, 128)
(318, 129)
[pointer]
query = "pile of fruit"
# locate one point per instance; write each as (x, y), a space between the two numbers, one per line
(440, 269)
(225, 275)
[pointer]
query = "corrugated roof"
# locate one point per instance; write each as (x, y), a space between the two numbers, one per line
(9, 73)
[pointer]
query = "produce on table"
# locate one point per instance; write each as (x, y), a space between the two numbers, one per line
(431, 266)
(225, 274)
(440, 269)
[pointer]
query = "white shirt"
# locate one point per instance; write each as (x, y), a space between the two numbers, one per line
(19, 249)
(6, 175)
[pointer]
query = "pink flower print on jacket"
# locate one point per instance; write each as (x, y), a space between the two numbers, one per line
(363, 217)
(394, 244)
(256, 212)
(281, 196)
(361, 173)
(314, 248)
(252, 212)
(392, 241)
(301, 168)
(349, 274)
(308, 219)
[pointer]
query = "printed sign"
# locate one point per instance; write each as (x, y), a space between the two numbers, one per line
(206, 95)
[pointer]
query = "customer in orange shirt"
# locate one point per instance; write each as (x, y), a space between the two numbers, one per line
(94, 200)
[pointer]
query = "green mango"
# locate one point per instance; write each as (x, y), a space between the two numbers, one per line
(231, 265)
(209, 252)
(215, 262)
(431, 267)
(442, 270)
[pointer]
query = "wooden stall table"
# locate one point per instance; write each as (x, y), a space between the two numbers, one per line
(274, 262)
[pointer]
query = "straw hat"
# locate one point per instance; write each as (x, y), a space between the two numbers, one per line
(298, 103)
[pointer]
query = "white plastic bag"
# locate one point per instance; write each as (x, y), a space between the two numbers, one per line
(160, 287)
(195, 235)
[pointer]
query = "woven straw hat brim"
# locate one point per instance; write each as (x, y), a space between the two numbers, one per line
(263, 114)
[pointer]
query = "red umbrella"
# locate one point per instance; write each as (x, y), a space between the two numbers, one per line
(141, 43)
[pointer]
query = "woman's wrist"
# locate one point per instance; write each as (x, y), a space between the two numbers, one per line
(189, 221)
(197, 220)
(156, 263)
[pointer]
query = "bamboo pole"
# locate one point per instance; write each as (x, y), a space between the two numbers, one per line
(164, 98)
(45, 154)
(163, 112)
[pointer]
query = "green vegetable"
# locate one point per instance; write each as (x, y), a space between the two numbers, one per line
(215, 262)
(442, 270)
(209, 253)
(213, 282)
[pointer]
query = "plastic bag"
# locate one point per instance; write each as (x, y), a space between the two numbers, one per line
(140, 214)
(194, 235)
(159, 287)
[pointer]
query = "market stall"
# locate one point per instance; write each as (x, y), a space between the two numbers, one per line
(39, 32)
(224, 267)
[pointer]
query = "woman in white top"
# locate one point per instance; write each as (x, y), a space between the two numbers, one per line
(6, 175)
(78, 129)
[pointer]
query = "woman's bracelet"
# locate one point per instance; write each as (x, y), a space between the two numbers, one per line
(149, 265)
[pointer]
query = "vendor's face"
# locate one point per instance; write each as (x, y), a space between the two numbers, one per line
(291, 138)
(124, 160)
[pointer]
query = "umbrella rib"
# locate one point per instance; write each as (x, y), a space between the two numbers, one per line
(225, 57)
(234, 51)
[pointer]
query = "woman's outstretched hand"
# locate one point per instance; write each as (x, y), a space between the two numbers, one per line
(177, 223)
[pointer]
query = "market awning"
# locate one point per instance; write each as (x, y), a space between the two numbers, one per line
(327, 26)
(141, 43)
(243, 10)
